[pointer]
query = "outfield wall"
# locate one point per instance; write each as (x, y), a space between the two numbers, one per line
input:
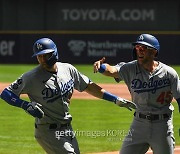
(85, 47)
(85, 31)
(90, 15)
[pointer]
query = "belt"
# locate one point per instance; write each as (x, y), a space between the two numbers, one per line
(54, 126)
(151, 117)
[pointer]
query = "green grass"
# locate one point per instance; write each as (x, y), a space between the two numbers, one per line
(100, 126)
(102, 122)
(9, 72)
(16, 131)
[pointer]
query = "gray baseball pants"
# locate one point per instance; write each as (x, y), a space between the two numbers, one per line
(144, 134)
(56, 139)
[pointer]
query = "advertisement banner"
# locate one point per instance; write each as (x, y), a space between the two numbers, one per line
(144, 15)
(86, 48)
(57, 15)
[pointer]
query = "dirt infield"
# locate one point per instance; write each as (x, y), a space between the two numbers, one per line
(118, 89)
(176, 151)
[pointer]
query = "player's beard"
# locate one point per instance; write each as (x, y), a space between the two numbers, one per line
(146, 60)
(47, 67)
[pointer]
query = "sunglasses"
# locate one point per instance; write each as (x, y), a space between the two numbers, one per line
(144, 47)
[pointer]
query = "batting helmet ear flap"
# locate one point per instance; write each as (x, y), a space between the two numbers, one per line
(134, 54)
(53, 59)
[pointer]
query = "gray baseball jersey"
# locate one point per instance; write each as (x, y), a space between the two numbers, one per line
(52, 91)
(152, 92)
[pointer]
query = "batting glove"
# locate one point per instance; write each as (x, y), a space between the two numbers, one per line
(33, 109)
(125, 103)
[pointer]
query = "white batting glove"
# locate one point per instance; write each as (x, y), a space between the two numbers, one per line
(125, 103)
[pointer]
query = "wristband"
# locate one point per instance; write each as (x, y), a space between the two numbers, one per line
(109, 97)
(102, 68)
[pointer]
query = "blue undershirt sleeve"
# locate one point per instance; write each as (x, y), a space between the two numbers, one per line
(11, 98)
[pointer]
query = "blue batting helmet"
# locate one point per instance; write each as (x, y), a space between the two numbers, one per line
(147, 40)
(46, 45)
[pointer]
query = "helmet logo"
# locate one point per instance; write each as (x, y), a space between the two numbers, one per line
(39, 46)
(141, 37)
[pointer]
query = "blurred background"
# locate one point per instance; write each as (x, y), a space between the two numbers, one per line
(85, 31)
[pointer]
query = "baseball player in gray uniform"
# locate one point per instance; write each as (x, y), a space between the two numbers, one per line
(152, 86)
(49, 87)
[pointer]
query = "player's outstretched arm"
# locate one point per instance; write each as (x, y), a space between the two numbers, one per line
(105, 69)
(99, 92)
(31, 108)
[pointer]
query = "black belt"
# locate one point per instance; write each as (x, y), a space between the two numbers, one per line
(151, 117)
(54, 126)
